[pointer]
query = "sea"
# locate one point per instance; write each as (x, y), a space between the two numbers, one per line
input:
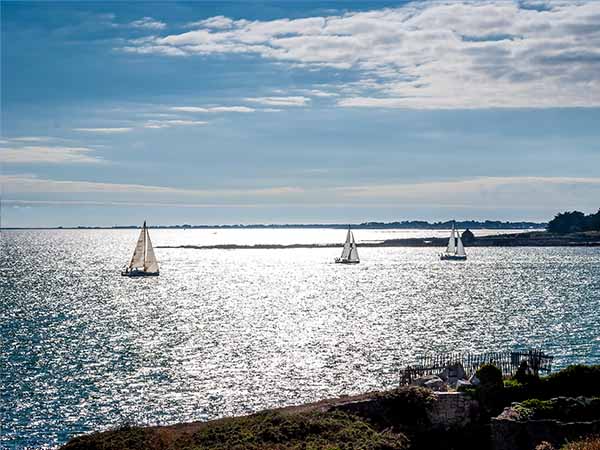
(229, 332)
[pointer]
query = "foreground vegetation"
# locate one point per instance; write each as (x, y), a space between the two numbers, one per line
(588, 443)
(263, 431)
(573, 381)
(398, 421)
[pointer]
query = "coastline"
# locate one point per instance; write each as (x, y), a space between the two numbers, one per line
(496, 412)
(531, 239)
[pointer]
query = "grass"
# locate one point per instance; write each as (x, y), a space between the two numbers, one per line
(263, 431)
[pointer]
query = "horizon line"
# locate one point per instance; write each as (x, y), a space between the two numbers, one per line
(405, 224)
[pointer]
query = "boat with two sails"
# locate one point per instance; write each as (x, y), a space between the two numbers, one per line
(143, 262)
(455, 250)
(349, 252)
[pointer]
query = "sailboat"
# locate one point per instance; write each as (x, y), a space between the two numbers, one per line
(455, 250)
(143, 262)
(350, 252)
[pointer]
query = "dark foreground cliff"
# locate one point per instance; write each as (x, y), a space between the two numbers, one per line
(405, 418)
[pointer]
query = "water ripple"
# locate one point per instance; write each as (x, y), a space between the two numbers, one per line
(224, 332)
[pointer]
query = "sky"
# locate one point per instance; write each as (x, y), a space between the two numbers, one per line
(298, 112)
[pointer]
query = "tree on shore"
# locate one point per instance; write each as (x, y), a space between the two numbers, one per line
(573, 221)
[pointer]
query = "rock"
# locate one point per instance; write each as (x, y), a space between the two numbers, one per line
(421, 381)
(474, 380)
(462, 384)
(452, 373)
(436, 384)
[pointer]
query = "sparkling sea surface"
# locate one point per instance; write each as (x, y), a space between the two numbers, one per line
(227, 332)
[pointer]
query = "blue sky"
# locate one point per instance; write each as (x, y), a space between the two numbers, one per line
(254, 112)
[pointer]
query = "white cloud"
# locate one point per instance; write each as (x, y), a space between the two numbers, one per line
(104, 130)
(149, 203)
(147, 49)
(48, 155)
(319, 93)
(212, 109)
(148, 23)
(280, 101)
(551, 193)
(548, 194)
(213, 22)
(173, 123)
(31, 139)
(431, 54)
(27, 183)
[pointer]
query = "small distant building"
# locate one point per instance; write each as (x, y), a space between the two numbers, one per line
(467, 236)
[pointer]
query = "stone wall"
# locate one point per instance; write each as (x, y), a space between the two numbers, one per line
(452, 410)
(508, 434)
(449, 410)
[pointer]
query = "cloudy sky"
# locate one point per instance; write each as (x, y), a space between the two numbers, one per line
(247, 112)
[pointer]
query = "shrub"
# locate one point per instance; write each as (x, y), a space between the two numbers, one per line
(524, 376)
(490, 375)
(491, 398)
(403, 407)
(574, 381)
(540, 408)
(589, 443)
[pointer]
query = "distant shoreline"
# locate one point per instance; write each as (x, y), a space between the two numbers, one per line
(532, 239)
(404, 225)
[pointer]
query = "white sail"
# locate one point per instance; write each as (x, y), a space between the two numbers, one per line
(451, 242)
(353, 250)
(460, 250)
(347, 246)
(150, 264)
(137, 260)
(143, 261)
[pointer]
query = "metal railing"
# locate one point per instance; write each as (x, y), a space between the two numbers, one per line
(508, 362)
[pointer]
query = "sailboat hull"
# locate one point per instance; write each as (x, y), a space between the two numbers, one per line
(444, 257)
(138, 273)
(345, 261)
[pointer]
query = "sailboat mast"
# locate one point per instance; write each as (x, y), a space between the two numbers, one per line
(145, 233)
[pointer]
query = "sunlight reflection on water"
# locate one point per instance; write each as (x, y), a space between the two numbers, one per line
(225, 332)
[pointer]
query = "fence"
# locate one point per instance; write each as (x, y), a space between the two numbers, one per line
(508, 362)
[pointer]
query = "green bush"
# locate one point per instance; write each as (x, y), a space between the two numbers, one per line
(542, 409)
(574, 381)
(402, 408)
(523, 375)
(490, 375)
(490, 393)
